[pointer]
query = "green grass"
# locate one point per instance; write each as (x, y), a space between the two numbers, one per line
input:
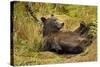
(28, 34)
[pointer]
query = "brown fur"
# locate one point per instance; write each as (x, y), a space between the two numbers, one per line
(64, 42)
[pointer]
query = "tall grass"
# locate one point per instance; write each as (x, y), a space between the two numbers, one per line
(25, 28)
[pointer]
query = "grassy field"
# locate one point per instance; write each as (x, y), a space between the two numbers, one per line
(27, 33)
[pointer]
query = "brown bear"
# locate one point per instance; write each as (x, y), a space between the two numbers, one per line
(73, 42)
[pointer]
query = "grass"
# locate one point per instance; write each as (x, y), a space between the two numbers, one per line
(28, 36)
(23, 55)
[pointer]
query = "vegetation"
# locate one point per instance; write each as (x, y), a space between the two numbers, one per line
(27, 31)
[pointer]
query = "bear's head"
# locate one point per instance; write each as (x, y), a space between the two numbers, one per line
(50, 25)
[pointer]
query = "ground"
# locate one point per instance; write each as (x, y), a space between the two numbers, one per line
(30, 57)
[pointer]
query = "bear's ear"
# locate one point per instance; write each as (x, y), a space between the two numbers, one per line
(43, 19)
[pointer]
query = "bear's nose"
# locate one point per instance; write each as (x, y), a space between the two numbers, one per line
(62, 24)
